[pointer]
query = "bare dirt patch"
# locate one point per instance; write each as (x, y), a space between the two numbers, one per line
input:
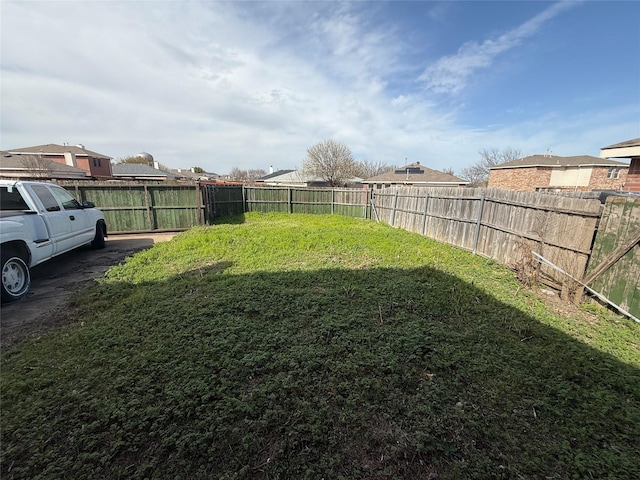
(53, 282)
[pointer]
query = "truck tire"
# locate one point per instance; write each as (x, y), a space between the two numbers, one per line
(101, 232)
(16, 278)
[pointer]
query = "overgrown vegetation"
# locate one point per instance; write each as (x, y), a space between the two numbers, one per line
(320, 347)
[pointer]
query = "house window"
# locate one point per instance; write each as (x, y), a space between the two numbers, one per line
(614, 172)
(96, 162)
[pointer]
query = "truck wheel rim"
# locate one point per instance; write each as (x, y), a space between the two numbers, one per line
(13, 278)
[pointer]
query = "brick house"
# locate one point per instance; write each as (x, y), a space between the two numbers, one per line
(415, 175)
(629, 149)
(95, 164)
(554, 173)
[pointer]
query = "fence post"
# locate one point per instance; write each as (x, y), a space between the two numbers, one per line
(424, 214)
(333, 199)
(244, 199)
(365, 205)
(290, 199)
(147, 204)
(478, 223)
(199, 200)
(393, 212)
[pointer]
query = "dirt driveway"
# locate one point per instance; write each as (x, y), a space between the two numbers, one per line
(53, 283)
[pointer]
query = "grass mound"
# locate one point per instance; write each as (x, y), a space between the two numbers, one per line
(320, 346)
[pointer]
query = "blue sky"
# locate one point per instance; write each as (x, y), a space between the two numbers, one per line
(254, 84)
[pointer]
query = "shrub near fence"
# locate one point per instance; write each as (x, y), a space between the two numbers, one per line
(503, 225)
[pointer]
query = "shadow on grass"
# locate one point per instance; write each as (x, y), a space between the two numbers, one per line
(373, 373)
(229, 220)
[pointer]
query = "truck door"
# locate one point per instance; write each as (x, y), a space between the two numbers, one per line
(56, 219)
(82, 223)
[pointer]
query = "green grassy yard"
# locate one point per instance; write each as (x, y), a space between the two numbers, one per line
(294, 346)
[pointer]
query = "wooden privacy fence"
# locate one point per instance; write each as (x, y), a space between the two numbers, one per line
(352, 202)
(223, 201)
(507, 226)
(503, 225)
(142, 207)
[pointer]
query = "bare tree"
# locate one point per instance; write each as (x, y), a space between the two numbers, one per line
(246, 176)
(142, 161)
(331, 161)
(478, 173)
(135, 159)
(448, 171)
(368, 169)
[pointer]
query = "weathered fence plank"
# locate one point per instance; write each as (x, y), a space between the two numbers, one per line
(499, 224)
(620, 283)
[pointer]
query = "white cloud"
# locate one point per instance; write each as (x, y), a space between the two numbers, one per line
(450, 74)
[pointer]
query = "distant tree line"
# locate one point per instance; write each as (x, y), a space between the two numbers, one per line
(333, 163)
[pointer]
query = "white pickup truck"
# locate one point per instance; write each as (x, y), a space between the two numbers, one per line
(37, 222)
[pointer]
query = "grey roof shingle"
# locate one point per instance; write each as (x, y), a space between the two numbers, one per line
(275, 174)
(416, 173)
(629, 143)
(139, 170)
(53, 149)
(557, 161)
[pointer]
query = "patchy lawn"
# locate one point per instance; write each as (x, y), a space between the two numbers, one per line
(293, 346)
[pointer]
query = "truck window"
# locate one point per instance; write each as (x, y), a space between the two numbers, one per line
(66, 199)
(46, 197)
(11, 200)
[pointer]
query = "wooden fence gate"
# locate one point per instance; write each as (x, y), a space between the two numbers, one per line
(614, 267)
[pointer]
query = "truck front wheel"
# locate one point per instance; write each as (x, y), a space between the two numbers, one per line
(101, 232)
(16, 279)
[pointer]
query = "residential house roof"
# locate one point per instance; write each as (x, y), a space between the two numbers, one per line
(275, 174)
(559, 162)
(141, 171)
(285, 177)
(415, 173)
(32, 166)
(297, 178)
(190, 175)
(52, 149)
(629, 143)
(627, 149)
